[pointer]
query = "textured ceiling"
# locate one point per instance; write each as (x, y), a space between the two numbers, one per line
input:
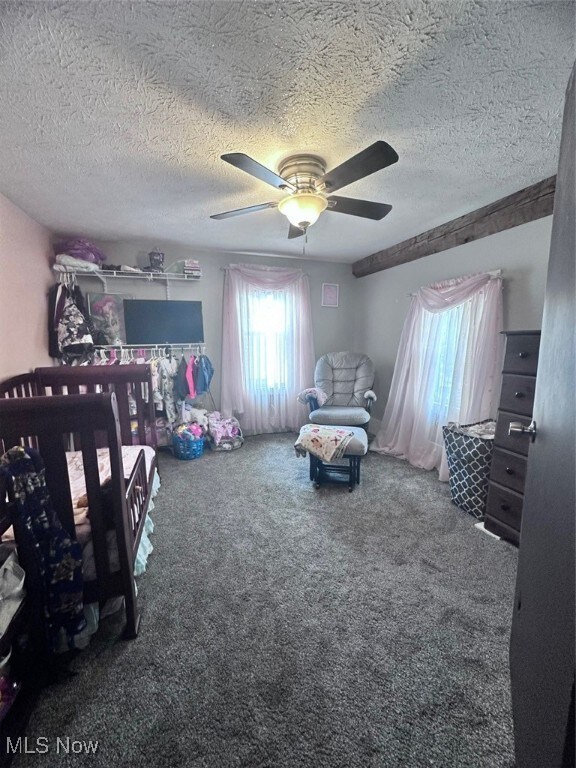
(115, 114)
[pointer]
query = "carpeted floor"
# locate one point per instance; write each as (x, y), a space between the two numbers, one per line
(290, 627)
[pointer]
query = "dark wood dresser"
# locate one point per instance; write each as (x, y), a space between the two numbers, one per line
(508, 472)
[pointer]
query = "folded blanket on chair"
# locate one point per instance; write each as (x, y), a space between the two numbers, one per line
(326, 443)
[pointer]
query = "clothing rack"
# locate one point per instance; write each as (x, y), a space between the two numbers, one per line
(67, 278)
(130, 353)
(198, 349)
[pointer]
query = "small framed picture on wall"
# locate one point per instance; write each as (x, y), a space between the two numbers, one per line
(330, 294)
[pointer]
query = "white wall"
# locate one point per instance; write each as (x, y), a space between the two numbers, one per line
(333, 327)
(383, 298)
(25, 277)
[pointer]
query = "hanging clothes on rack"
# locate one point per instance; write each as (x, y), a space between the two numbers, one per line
(203, 372)
(69, 331)
(168, 368)
(190, 377)
(181, 387)
(175, 381)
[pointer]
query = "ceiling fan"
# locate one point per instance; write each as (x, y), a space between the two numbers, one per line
(310, 188)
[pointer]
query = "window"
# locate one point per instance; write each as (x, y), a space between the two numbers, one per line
(266, 340)
(446, 368)
(267, 347)
(445, 392)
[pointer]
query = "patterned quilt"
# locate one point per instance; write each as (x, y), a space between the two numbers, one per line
(326, 443)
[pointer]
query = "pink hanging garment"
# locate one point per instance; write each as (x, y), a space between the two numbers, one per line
(190, 376)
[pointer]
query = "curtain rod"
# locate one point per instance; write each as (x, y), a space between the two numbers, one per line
(226, 269)
(492, 272)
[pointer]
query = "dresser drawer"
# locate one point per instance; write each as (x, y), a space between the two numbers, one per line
(522, 353)
(504, 505)
(517, 442)
(517, 393)
(502, 530)
(509, 469)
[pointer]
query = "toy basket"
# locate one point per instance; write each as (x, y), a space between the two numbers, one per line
(187, 449)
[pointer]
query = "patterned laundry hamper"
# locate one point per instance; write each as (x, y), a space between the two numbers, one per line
(469, 459)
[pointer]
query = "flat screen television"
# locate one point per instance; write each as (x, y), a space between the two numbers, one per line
(163, 322)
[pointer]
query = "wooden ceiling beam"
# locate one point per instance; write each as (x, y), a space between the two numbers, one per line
(519, 208)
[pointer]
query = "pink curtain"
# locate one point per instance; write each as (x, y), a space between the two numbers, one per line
(267, 347)
(447, 368)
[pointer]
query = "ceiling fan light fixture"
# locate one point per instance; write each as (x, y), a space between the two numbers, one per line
(302, 209)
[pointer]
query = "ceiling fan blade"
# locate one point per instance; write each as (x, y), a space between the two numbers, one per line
(364, 208)
(240, 211)
(294, 232)
(375, 157)
(245, 163)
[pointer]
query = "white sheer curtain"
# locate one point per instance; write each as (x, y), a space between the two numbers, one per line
(267, 347)
(447, 368)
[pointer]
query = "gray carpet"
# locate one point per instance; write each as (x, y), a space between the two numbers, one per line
(287, 626)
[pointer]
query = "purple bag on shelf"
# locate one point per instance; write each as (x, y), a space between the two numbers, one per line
(81, 249)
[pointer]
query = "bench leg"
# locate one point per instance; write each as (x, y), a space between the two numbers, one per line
(317, 475)
(315, 470)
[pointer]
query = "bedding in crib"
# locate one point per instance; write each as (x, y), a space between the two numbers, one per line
(76, 473)
(77, 480)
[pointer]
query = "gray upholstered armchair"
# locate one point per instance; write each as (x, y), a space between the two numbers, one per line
(343, 396)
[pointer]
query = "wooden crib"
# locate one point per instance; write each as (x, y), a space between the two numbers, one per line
(96, 410)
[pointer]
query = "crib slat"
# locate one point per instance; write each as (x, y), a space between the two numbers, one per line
(52, 450)
(140, 415)
(95, 512)
(124, 537)
(121, 390)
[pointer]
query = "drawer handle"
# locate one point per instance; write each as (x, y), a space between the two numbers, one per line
(519, 394)
(509, 471)
(523, 355)
(505, 507)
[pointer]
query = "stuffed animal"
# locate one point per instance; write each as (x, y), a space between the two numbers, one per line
(198, 416)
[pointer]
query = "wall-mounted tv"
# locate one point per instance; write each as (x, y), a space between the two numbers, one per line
(163, 322)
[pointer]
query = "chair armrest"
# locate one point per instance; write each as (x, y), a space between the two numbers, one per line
(307, 398)
(370, 397)
(311, 397)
